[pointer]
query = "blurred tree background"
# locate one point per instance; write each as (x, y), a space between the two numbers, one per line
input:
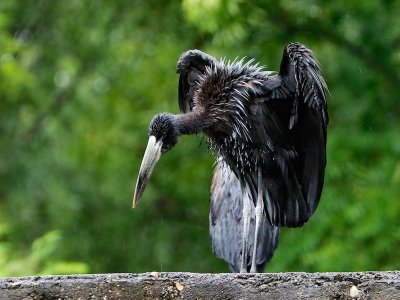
(80, 82)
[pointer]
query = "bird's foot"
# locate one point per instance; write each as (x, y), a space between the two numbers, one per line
(253, 269)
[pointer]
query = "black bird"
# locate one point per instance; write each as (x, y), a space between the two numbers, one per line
(269, 129)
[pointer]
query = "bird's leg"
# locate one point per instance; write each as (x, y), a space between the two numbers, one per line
(259, 215)
(245, 233)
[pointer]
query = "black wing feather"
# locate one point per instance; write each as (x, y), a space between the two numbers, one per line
(191, 65)
(293, 119)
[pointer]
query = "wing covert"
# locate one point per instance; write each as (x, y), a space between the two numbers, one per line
(190, 66)
(290, 116)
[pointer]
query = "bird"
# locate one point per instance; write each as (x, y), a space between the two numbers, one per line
(269, 129)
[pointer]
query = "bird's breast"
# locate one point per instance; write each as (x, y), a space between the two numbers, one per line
(243, 156)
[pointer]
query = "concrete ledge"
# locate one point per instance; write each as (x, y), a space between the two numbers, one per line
(365, 285)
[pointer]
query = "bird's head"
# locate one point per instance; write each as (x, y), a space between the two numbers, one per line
(163, 136)
(163, 128)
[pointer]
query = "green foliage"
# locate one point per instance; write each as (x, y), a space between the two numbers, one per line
(39, 259)
(80, 81)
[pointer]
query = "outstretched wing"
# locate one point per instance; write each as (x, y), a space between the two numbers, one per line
(191, 65)
(289, 114)
(300, 78)
(226, 223)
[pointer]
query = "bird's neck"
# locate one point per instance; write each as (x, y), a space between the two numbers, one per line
(192, 122)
